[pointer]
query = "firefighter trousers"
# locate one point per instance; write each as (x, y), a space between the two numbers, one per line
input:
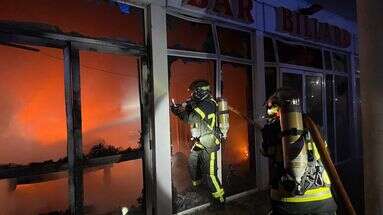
(203, 166)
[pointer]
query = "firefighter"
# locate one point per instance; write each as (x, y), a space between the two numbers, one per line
(200, 112)
(299, 182)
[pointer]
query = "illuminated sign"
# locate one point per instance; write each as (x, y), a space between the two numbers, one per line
(309, 28)
(238, 10)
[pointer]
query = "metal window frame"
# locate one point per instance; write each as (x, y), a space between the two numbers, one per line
(71, 46)
(324, 72)
(219, 59)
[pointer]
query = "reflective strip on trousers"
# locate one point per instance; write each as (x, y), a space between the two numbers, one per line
(316, 194)
(219, 191)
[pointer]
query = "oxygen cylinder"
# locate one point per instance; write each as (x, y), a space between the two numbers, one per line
(293, 144)
(223, 117)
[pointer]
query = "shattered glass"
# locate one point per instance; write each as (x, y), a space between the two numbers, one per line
(188, 35)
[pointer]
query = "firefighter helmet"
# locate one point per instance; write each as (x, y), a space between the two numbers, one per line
(200, 89)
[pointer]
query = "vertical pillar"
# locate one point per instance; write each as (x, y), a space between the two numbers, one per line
(370, 18)
(160, 143)
(73, 115)
(262, 170)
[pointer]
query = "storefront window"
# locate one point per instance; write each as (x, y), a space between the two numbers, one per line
(238, 153)
(234, 43)
(88, 18)
(110, 103)
(327, 60)
(111, 125)
(340, 62)
(293, 81)
(269, 49)
(299, 55)
(190, 36)
(271, 80)
(33, 131)
(314, 105)
(109, 188)
(330, 114)
(342, 118)
(182, 72)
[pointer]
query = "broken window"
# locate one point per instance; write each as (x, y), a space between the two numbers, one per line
(238, 158)
(300, 55)
(32, 130)
(234, 43)
(182, 72)
(110, 187)
(110, 103)
(188, 35)
(93, 18)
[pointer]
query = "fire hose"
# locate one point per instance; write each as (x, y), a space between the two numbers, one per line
(328, 164)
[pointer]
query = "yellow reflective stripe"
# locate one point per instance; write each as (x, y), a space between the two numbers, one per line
(212, 117)
(318, 190)
(199, 145)
(219, 192)
(307, 199)
(200, 112)
(316, 194)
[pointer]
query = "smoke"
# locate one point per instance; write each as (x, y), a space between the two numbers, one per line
(33, 127)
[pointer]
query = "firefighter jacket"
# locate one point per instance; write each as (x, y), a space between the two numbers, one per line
(201, 116)
(317, 196)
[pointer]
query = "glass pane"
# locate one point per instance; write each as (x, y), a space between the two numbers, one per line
(234, 43)
(327, 60)
(199, 36)
(238, 170)
(271, 80)
(109, 188)
(33, 122)
(110, 103)
(314, 103)
(90, 18)
(293, 81)
(47, 195)
(359, 118)
(269, 49)
(357, 65)
(330, 115)
(183, 71)
(342, 118)
(340, 62)
(299, 55)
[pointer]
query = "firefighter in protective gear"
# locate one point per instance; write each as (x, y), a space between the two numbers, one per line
(314, 194)
(200, 111)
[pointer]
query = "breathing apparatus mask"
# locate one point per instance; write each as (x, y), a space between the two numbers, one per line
(200, 89)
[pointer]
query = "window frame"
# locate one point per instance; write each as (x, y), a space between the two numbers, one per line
(71, 46)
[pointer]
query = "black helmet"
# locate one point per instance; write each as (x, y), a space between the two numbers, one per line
(200, 89)
(199, 84)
